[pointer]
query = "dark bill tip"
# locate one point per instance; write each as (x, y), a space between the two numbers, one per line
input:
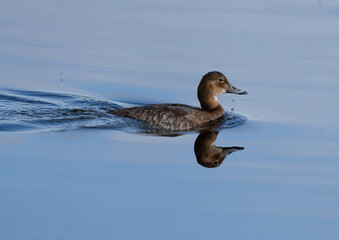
(243, 93)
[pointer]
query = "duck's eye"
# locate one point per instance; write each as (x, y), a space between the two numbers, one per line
(216, 162)
(220, 80)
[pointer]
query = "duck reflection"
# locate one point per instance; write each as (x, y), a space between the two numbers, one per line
(209, 155)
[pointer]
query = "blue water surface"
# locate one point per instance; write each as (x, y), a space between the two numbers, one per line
(68, 170)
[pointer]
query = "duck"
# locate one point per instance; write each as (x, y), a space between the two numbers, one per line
(182, 117)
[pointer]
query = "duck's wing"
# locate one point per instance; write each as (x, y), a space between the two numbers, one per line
(144, 112)
(169, 116)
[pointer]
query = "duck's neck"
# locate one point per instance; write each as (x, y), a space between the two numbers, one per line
(208, 102)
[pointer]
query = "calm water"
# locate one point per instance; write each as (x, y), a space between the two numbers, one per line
(70, 171)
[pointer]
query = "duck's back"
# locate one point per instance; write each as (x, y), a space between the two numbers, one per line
(170, 116)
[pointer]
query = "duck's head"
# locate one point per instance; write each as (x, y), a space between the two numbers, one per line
(211, 85)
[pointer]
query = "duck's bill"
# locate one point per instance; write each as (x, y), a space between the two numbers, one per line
(232, 89)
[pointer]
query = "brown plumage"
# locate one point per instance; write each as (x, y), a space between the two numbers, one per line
(181, 116)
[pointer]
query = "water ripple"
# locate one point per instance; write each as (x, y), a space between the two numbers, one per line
(33, 111)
